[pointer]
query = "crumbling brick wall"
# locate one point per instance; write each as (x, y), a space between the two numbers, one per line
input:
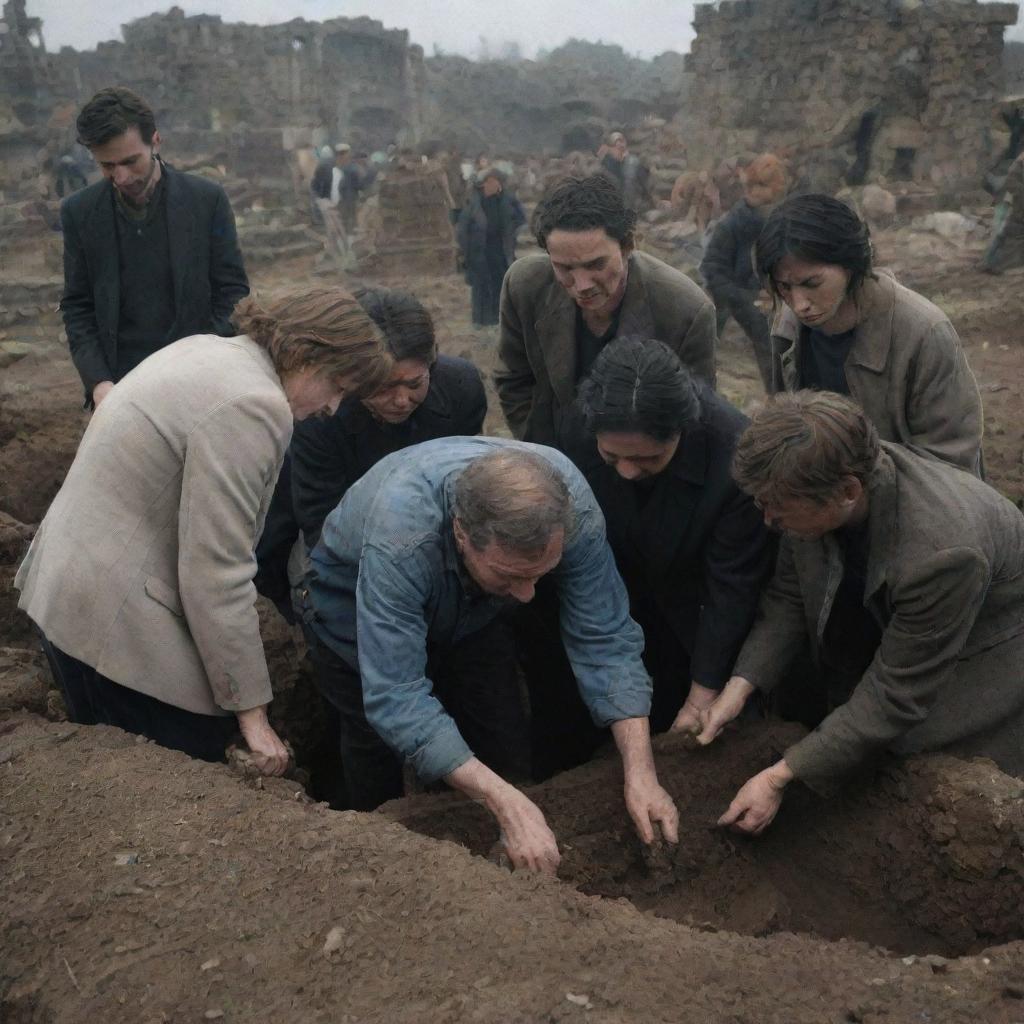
(866, 89)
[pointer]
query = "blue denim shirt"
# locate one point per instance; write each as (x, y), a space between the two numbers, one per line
(387, 569)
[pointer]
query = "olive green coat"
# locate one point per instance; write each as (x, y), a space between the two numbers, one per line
(906, 369)
(537, 376)
(945, 582)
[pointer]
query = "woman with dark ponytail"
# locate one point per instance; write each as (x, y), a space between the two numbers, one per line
(691, 548)
(841, 326)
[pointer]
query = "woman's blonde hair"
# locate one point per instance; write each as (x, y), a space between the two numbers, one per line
(323, 329)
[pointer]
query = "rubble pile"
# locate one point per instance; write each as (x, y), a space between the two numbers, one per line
(406, 229)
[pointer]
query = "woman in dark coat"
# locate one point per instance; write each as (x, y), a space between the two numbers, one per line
(692, 549)
(486, 233)
(427, 396)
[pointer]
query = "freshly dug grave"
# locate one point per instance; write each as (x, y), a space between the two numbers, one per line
(925, 858)
(141, 886)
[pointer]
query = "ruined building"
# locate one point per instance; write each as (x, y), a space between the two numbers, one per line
(901, 90)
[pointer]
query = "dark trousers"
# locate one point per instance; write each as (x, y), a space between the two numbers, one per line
(739, 304)
(476, 681)
(485, 286)
(93, 699)
(562, 733)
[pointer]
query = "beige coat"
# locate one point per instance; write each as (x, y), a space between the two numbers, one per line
(945, 582)
(907, 371)
(143, 565)
(536, 376)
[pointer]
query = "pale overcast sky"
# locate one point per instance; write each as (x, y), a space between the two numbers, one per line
(642, 27)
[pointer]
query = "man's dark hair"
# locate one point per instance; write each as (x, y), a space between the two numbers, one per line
(638, 386)
(112, 112)
(582, 204)
(407, 327)
(815, 228)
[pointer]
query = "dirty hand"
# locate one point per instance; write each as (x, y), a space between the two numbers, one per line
(699, 699)
(101, 391)
(724, 709)
(269, 754)
(531, 845)
(754, 807)
(649, 805)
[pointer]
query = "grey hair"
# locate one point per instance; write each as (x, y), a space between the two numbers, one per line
(514, 498)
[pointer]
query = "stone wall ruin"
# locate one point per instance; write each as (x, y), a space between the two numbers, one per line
(894, 90)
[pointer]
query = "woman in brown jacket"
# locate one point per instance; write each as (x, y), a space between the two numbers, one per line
(842, 327)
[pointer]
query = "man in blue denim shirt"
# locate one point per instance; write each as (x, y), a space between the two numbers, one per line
(424, 552)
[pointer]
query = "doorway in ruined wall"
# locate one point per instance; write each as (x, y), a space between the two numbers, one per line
(373, 128)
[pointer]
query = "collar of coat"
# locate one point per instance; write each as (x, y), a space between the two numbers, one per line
(876, 305)
(556, 327)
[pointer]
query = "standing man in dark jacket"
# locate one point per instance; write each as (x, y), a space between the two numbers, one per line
(486, 233)
(150, 254)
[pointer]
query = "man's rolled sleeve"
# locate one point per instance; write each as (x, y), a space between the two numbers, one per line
(603, 643)
(392, 629)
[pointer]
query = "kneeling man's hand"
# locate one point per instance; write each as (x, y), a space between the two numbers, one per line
(531, 845)
(269, 754)
(651, 809)
(754, 807)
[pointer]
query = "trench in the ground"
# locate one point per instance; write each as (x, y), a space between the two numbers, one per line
(869, 868)
(870, 865)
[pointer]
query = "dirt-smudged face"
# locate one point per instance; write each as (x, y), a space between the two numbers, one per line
(504, 573)
(818, 293)
(811, 519)
(591, 266)
(130, 165)
(403, 393)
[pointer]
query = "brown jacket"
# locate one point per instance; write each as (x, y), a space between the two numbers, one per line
(907, 370)
(536, 378)
(143, 564)
(945, 582)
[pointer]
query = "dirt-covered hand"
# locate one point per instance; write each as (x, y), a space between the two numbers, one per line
(269, 754)
(724, 709)
(754, 807)
(531, 845)
(699, 699)
(650, 806)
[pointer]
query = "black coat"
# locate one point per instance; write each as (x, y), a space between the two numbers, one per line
(696, 553)
(206, 268)
(471, 234)
(728, 259)
(328, 455)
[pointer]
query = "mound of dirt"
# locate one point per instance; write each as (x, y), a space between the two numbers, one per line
(141, 886)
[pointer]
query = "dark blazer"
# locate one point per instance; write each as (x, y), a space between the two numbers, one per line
(328, 455)
(697, 548)
(206, 268)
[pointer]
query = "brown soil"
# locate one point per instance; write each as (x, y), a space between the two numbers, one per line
(140, 886)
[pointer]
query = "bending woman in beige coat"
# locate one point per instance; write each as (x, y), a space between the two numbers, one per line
(140, 576)
(840, 326)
